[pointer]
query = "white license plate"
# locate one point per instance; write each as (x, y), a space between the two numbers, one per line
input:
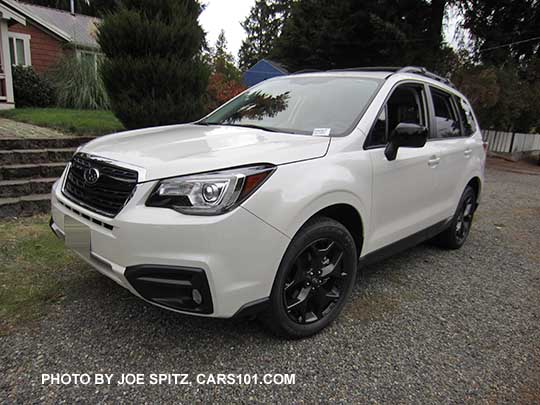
(77, 236)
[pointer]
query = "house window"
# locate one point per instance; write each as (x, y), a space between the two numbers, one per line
(19, 49)
(90, 58)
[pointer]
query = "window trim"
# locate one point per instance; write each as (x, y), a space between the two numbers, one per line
(457, 101)
(454, 109)
(427, 110)
(96, 54)
(27, 50)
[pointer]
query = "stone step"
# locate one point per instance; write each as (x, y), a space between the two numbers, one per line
(20, 188)
(25, 206)
(29, 156)
(31, 171)
(43, 143)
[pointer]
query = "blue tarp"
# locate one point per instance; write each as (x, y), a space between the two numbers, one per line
(262, 70)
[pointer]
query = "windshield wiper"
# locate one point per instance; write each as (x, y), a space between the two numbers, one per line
(206, 124)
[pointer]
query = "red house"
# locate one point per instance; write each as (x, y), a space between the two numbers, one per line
(38, 36)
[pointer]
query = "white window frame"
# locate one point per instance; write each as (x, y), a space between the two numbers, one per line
(27, 51)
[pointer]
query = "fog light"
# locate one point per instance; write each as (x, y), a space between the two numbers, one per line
(197, 297)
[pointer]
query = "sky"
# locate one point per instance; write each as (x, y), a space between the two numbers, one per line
(227, 15)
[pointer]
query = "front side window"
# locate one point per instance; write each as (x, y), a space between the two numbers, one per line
(405, 105)
(318, 105)
(19, 49)
(446, 119)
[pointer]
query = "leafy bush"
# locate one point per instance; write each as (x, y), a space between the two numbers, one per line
(153, 71)
(221, 90)
(78, 85)
(30, 89)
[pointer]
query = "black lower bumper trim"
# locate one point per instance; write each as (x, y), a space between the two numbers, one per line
(58, 235)
(181, 288)
(252, 308)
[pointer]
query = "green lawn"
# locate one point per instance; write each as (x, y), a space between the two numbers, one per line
(78, 122)
(35, 271)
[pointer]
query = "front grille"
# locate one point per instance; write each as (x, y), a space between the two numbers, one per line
(108, 195)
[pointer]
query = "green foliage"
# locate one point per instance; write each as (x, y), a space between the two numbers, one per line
(325, 34)
(503, 98)
(78, 122)
(154, 71)
(262, 27)
(78, 85)
(497, 23)
(36, 271)
(30, 89)
(225, 80)
(222, 60)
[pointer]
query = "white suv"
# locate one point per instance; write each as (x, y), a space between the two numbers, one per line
(272, 202)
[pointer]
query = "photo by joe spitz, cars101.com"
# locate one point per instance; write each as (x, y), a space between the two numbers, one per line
(271, 204)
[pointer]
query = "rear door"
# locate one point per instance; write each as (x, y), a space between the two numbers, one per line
(453, 135)
(404, 191)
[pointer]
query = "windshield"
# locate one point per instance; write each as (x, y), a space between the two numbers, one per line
(318, 105)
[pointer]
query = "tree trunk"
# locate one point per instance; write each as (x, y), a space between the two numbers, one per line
(437, 17)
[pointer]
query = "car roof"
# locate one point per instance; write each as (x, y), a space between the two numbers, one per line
(384, 73)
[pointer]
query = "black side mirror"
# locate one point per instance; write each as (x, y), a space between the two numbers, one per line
(405, 135)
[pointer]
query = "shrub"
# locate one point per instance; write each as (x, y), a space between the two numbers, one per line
(30, 89)
(221, 90)
(78, 85)
(153, 71)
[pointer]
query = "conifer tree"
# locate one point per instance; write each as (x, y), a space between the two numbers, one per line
(262, 26)
(153, 68)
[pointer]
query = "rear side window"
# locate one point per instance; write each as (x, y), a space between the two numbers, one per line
(467, 117)
(446, 118)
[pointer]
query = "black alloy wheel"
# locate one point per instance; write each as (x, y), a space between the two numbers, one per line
(464, 220)
(314, 280)
(455, 235)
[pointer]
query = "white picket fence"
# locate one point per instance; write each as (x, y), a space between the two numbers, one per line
(511, 142)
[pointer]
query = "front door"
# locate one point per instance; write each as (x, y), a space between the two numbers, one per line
(404, 191)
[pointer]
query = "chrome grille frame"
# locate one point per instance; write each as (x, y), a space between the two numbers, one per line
(108, 196)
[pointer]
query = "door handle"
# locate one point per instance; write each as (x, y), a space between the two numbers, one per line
(434, 161)
(467, 152)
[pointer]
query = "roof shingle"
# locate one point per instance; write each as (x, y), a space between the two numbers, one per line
(80, 28)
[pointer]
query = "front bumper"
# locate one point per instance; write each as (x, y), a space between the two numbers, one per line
(230, 259)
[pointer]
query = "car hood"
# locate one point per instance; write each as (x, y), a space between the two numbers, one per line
(185, 149)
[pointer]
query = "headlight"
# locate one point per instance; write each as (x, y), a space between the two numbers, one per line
(210, 193)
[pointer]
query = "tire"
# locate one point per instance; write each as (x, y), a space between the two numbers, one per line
(455, 236)
(314, 280)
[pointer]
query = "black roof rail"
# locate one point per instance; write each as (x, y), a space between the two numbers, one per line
(369, 69)
(307, 71)
(419, 70)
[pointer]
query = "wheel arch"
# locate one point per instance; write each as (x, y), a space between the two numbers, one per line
(349, 217)
(476, 184)
(344, 213)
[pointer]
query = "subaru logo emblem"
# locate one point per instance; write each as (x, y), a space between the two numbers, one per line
(91, 175)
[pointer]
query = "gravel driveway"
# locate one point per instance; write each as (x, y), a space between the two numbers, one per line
(427, 326)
